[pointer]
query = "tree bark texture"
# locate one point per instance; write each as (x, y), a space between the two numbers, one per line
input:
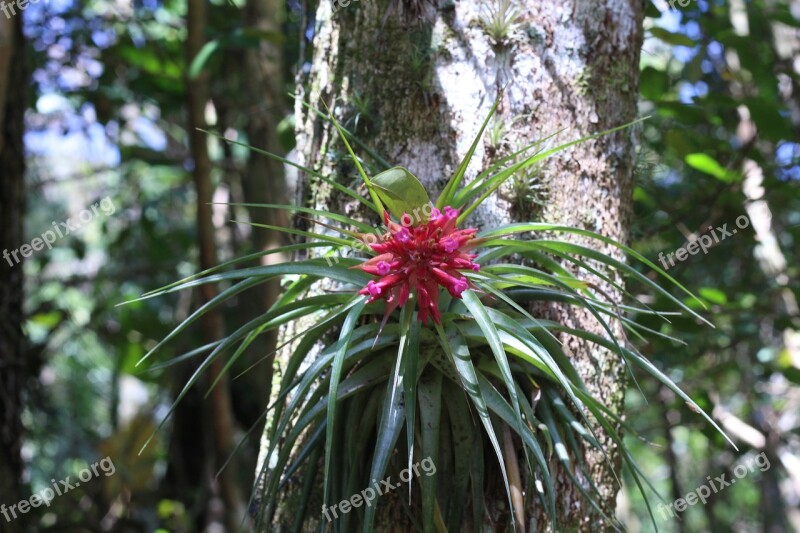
(14, 368)
(415, 81)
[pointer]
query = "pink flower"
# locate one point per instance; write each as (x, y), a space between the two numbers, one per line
(449, 245)
(421, 258)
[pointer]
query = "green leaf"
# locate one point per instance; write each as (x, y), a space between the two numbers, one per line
(336, 373)
(244, 259)
(513, 169)
(501, 408)
(715, 296)
(308, 487)
(488, 176)
(372, 153)
(318, 212)
(266, 322)
(676, 39)
(239, 38)
(463, 434)
(771, 118)
(202, 58)
(257, 34)
(707, 164)
(312, 415)
(430, 410)
(597, 410)
(312, 267)
(338, 186)
(455, 181)
(519, 228)
(208, 306)
(653, 83)
(411, 330)
(564, 458)
(402, 192)
(392, 419)
(481, 316)
(455, 347)
(359, 441)
(649, 367)
(367, 181)
(476, 476)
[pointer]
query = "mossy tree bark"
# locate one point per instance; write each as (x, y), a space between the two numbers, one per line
(415, 82)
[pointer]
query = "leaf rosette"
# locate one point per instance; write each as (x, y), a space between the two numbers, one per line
(371, 367)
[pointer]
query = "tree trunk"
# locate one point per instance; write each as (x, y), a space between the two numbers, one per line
(262, 183)
(220, 409)
(415, 82)
(13, 365)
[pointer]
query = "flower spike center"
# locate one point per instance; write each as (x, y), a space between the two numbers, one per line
(421, 258)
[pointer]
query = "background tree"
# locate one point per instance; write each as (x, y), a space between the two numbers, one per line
(16, 365)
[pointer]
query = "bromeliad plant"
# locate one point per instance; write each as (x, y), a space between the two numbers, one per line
(428, 335)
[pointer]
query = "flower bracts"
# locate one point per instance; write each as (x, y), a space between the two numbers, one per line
(421, 258)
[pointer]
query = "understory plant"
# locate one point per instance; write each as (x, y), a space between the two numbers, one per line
(422, 345)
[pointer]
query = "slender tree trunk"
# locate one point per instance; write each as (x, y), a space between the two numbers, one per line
(13, 364)
(221, 417)
(666, 398)
(249, 94)
(262, 183)
(415, 84)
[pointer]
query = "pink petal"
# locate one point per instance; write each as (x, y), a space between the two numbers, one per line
(373, 289)
(449, 245)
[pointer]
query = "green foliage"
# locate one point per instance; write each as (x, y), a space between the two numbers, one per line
(488, 346)
(401, 193)
(706, 163)
(703, 74)
(500, 21)
(238, 39)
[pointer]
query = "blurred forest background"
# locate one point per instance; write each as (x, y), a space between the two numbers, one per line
(107, 114)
